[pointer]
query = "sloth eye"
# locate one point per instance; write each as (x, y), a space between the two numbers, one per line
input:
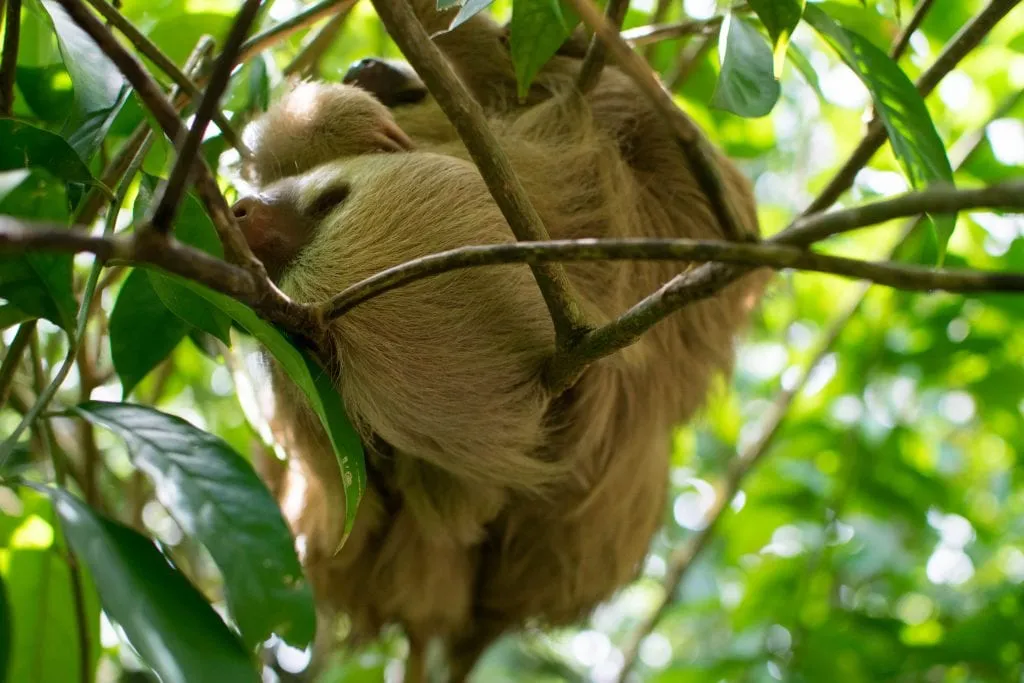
(328, 200)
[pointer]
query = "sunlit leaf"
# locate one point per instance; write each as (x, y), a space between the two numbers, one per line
(143, 332)
(537, 30)
(780, 17)
(214, 494)
(168, 622)
(902, 110)
(746, 85)
(319, 389)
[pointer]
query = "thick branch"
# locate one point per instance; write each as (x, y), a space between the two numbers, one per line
(188, 151)
(593, 60)
(958, 47)
(276, 34)
(9, 57)
(148, 48)
(691, 140)
(467, 116)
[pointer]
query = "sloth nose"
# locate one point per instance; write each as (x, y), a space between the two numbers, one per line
(253, 216)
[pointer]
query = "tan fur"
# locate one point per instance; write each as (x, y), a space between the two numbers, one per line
(491, 503)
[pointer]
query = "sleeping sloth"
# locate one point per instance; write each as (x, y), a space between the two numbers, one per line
(492, 504)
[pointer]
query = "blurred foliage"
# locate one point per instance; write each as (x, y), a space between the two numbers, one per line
(881, 538)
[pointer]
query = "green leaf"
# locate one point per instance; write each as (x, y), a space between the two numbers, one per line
(193, 227)
(316, 384)
(538, 28)
(5, 633)
(142, 331)
(214, 494)
(100, 89)
(47, 91)
(746, 85)
(167, 621)
(38, 283)
(914, 139)
(44, 627)
(780, 17)
(468, 11)
(26, 146)
(11, 315)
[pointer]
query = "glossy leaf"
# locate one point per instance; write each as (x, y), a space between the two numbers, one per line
(537, 30)
(26, 146)
(164, 617)
(780, 17)
(746, 84)
(914, 139)
(218, 499)
(320, 391)
(143, 332)
(100, 89)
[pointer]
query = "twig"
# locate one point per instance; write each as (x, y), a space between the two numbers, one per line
(660, 11)
(166, 209)
(13, 358)
(644, 36)
(708, 279)
(683, 558)
(9, 57)
(309, 57)
(687, 61)
(467, 116)
(690, 138)
(593, 60)
(180, 77)
(275, 34)
(958, 47)
(903, 39)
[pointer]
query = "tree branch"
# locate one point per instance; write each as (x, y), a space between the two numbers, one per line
(691, 139)
(467, 116)
(12, 359)
(166, 209)
(307, 62)
(643, 36)
(180, 77)
(9, 57)
(903, 39)
(593, 60)
(276, 34)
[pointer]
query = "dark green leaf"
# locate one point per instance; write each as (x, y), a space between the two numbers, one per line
(143, 332)
(100, 89)
(537, 30)
(469, 10)
(780, 17)
(165, 618)
(214, 494)
(316, 384)
(44, 627)
(5, 633)
(26, 146)
(746, 85)
(47, 91)
(914, 139)
(11, 315)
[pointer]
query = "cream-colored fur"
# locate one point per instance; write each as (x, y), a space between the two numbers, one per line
(491, 503)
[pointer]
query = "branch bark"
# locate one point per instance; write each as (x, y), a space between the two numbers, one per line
(593, 60)
(9, 57)
(467, 116)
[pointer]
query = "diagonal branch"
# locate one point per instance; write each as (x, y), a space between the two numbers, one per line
(167, 207)
(467, 116)
(691, 139)
(903, 39)
(307, 62)
(276, 34)
(593, 60)
(643, 36)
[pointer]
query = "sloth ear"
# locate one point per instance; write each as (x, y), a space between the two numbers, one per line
(315, 123)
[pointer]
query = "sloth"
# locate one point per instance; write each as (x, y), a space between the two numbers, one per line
(492, 504)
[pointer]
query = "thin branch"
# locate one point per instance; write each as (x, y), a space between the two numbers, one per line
(903, 39)
(958, 47)
(660, 11)
(276, 34)
(643, 36)
(682, 559)
(170, 198)
(593, 60)
(12, 359)
(467, 116)
(308, 60)
(9, 57)
(691, 139)
(180, 77)
(782, 255)
(688, 60)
